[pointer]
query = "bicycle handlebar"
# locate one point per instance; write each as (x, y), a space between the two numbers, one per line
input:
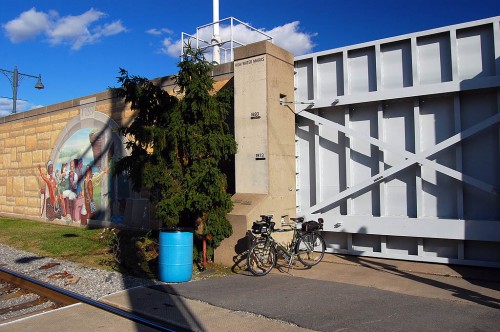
(267, 219)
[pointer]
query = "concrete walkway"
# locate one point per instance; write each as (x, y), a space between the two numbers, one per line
(473, 285)
(341, 293)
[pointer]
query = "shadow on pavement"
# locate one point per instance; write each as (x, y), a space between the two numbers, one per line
(167, 309)
(484, 277)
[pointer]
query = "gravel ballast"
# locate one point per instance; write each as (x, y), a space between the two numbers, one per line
(89, 282)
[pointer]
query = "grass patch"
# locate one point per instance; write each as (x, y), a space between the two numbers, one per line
(79, 245)
(127, 251)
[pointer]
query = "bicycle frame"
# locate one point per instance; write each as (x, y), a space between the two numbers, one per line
(263, 254)
(287, 253)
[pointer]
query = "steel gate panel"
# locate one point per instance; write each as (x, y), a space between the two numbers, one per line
(398, 145)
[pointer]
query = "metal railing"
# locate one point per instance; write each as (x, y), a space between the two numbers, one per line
(228, 41)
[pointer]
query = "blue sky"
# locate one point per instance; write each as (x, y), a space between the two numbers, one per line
(79, 46)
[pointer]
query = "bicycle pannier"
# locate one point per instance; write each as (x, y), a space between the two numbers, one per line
(311, 226)
(259, 228)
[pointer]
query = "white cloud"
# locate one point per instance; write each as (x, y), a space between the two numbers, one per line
(112, 29)
(5, 107)
(21, 106)
(28, 25)
(76, 31)
(170, 48)
(290, 38)
(287, 36)
(158, 32)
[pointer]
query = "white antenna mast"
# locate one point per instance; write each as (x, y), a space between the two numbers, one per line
(216, 36)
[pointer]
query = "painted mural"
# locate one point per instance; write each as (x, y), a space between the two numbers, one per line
(77, 186)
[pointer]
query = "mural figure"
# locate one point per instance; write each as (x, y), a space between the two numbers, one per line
(78, 193)
(78, 202)
(62, 180)
(69, 193)
(54, 204)
(88, 193)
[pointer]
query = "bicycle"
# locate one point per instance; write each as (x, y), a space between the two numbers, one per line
(307, 244)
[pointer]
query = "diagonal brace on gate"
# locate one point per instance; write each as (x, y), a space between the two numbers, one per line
(410, 158)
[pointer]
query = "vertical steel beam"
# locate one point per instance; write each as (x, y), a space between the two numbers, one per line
(420, 247)
(461, 249)
(378, 67)
(315, 78)
(383, 244)
(348, 179)
(414, 62)
(454, 57)
(345, 68)
(418, 148)
(381, 164)
(498, 112)
(458, 155)
(496, 42)
(317, 161)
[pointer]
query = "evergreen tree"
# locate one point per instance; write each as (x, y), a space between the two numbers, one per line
(177, 145)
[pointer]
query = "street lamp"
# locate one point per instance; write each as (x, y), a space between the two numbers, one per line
(15, 77)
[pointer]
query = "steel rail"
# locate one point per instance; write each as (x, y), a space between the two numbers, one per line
(67, 297)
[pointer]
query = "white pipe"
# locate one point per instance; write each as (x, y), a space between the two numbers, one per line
(216, 16)
(216, 37)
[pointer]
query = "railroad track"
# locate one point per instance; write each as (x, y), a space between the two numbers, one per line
(22, 296)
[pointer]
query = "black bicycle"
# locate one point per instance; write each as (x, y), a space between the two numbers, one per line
(307, 244)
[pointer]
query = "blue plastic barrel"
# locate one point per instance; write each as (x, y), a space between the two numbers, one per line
(175, 255)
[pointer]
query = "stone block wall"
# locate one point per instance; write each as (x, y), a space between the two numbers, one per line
(28, 140)
(32, 138)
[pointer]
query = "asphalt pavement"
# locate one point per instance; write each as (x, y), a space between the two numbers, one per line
(315, 303)
(342, 293)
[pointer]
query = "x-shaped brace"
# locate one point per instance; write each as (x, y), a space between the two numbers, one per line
(410, 158)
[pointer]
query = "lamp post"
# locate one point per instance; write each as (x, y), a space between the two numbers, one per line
(15, 77)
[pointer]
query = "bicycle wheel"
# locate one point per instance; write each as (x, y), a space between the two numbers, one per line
(310, 248)
(261, 258)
